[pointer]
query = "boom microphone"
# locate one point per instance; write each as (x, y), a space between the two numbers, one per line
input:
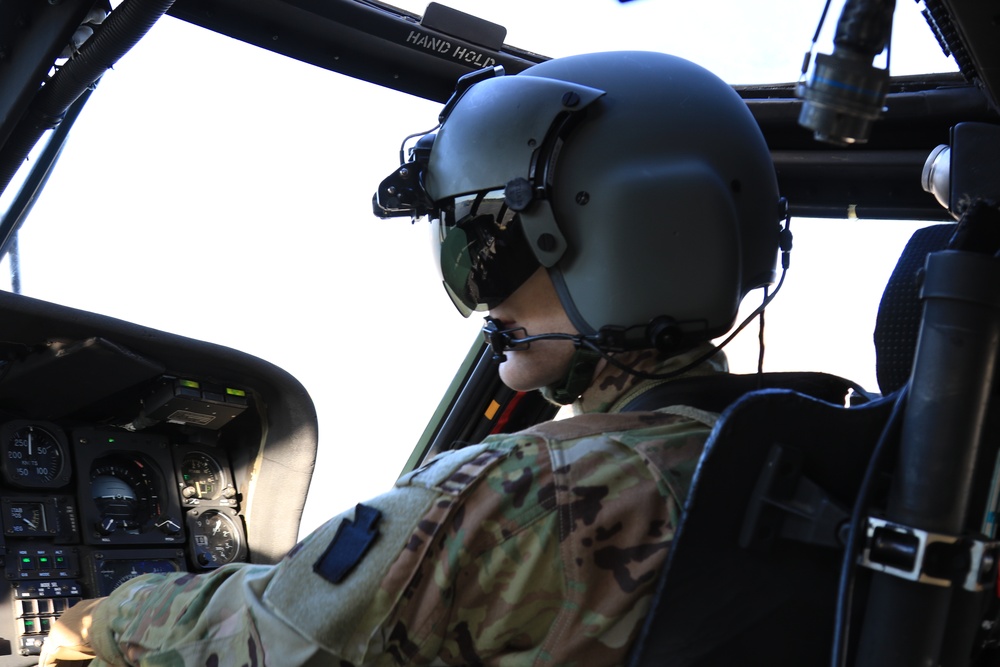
(501, 340)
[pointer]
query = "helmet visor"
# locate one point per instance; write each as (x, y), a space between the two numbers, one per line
(484, 255)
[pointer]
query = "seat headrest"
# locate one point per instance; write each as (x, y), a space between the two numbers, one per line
(898, 322)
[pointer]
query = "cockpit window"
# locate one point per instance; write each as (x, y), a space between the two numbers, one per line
(222, 192)
(742, 42)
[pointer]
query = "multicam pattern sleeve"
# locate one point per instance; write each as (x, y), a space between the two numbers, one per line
(540, 548)
(551, 559)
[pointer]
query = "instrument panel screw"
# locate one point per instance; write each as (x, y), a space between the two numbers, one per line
(570, 99)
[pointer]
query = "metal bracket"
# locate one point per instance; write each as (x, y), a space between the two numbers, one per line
(930, 558)
(786, 504)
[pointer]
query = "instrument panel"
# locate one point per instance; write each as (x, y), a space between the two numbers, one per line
(125, 450)
(86, 508)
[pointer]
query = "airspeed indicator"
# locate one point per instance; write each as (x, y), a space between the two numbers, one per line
(34, 454)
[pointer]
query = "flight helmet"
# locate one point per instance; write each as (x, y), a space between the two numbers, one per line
(639, 180)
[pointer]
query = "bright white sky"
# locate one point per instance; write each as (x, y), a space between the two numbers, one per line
(222, 192)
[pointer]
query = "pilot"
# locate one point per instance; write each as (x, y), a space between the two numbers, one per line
(610, 212)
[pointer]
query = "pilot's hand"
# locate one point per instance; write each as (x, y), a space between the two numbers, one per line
(69, 638)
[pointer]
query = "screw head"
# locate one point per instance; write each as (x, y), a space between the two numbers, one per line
(547, 242)
(570, 99)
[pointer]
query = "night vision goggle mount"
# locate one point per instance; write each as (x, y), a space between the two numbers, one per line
(402, 192)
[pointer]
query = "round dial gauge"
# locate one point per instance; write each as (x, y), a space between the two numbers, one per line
(217, 539)
(202, 476)
(124, 494)
(25, 518)
(34, 455)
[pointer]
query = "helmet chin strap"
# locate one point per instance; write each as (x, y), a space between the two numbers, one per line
(579, 376)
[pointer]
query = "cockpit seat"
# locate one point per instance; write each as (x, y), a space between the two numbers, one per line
(753, 571)
(752, 574)
(898, 322)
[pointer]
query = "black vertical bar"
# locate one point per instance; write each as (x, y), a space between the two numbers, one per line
(952, 377)
(36, 179)
(15, 265)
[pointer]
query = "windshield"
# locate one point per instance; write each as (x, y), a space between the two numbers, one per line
(222, 192)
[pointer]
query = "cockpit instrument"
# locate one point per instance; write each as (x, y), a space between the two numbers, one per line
(34, 454)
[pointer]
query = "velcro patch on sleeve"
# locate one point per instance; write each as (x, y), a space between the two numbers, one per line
(349, 544)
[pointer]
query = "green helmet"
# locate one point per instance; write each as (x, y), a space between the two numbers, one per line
(639, 180)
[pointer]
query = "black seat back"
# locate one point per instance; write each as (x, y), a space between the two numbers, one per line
(721, 604)
(898, 322)
(716, 392)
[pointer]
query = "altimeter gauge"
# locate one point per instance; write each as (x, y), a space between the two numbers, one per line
(216, 538)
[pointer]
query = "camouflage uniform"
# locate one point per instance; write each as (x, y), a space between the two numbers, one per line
(537, 548)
